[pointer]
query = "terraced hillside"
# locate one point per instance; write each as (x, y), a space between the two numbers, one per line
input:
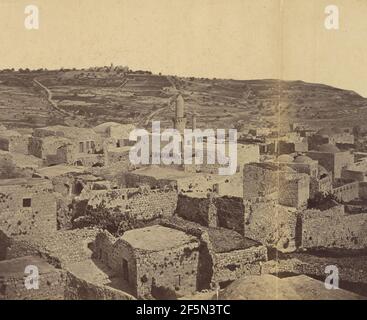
(91, 97)
(22, 104)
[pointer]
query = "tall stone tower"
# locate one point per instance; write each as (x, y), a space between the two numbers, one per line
(179, 122)
(193, 120)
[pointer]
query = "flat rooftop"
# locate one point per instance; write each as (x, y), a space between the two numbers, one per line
(157, 238)
(22, 181)
(265, 165)
(163, 172)
(14, 268)
(58, 170)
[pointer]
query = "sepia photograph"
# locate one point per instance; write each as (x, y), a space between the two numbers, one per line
(189, 150)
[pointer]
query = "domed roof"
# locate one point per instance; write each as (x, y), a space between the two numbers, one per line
(285, 158)
(327, 147)
(303, 159)
(265, 287)
(288, 169)
(322, 171)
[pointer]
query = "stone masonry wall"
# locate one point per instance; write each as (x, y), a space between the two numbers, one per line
(12, 286)
(230, 213)
(271, 224)
(238, 263)
(175, 268)
(27, 207)
(194, 209)
(335, 231)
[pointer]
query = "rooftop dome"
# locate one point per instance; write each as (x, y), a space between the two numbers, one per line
(285, 158)
(303, 159)
(322, 171)
(328, 148)
(265, 287)
(288, 169)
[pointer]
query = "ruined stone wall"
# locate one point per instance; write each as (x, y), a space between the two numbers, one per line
(125, 207)
(87, 160)
(259, 181)
(134, 180)
(203, 168)
(238, 263)
(336, 231)
(27, 208)
(118, 157)
(271, 224)
(230, 213)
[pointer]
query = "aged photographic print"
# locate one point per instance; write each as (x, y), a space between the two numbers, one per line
(183, 150)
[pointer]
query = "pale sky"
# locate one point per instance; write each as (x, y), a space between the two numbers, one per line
(238, 39)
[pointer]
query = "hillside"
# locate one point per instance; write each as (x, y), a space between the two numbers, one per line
(85, 97)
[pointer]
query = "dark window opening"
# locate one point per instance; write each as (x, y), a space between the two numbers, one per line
(27, 203)
(125, 269)
(78, 188)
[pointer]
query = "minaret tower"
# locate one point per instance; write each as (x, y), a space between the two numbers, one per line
(193, 120)
(179, 122)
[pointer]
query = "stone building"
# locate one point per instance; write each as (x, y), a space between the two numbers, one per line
(320, 179)
(286, 147)
(14, 142)
(332, 159)
(333, 136)
(152, 259)
(27, 206)
(294, 189)
(70, 145)
(356, 171)
(272, 180)
(322, 184)
(260, 179)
